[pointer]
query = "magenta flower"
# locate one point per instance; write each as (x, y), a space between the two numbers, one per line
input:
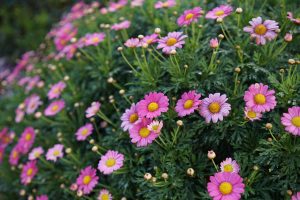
(29, 170)
(93, 109)
(26, 140)
(296, 196)
(36, 153)
(219, 12)
(32, 103)
(215, 107)
(129, 118)
(262, 31)
(56, 90)
(120, 26)
(14, 156)
(229, 165)
(149, 39)
(188, 103)
(189, 16)
(54, 108)
(291, 120)
(114, 6)
(259, 99)
(67, 52)
(87, 180)
(94, 39)
(132, 43)
(19, 115)
(110, 162)
(84, 131)
(55, 152)
(214, 43)
(171, 42)
(251, 115)
(42, 197)
(153, 105)
(225, 186)
(104, 195)
(155, 126)
(165, 4)
(292, 19)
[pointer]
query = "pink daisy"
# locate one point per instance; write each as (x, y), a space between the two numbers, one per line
(292, 19)
(84, 131)
(14, 156)
(171, 42)
(251, 115)
(291, 120)
(29, 170)
(120, 26)
(56, 90)
(42, 197)
(110, 162)
(155, 126)
(149, 39)
(153, 105)
(296, 196)
(262, 31)
(67, 52)
(259, 99)
(189, 16)
(104, 195)
(214, 107)
(165, 4)
(229, 165)
(26, 140)
(55, 152)
(114, 6)
(36, 153)
(94, 39)
(225, 186)
(132, 43)
(219, 12)
(188, 103)
(54, 108)
(19, 115)
(129, 118)
(87, 180)
(93, 109)
(32, 103)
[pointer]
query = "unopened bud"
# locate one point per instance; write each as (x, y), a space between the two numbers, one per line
(211, 154)
(190, 171)
(147, 176)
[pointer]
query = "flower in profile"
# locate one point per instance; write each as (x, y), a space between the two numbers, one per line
(155, 126)
(42, 197)
(229, 165)
(132, 43)
(291, 120)
(32, 103)
(171, 42)
(110, 162)
(56, 90)
(221, 12)
(29, 170)
(262, 31)
(296, 196)
(214, 107)
(114, 6)
(165, 4)
(19, 115)
(26, 140)
(54, 108)
(214, 43)
(292, 19)
(93, 109)
(120, 26)
(137, 3)
(251, 115)
(87, 180)
(188, 103)
(55, 152)
(129, 118)
(225, 185)
(189, 16)
(84, 131)
(104, 195)
(67, 52)
(94, 39)
(149, 39)
(14, 156)
(36, 153)
(259, 99)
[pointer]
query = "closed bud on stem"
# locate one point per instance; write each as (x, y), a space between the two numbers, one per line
(122, 92)
(237, 70)
(255, 168)
(239, 10)
(30, 197)
(190, 171)
(291, 61)
(211, 154)
(179, 123)
(120, 48)
(92, 141)
(147, 176)
(164, 175)
(95, 148)
(79, 193)
(289, 192)
(219, 20)
(221, 36)
(68, 150)
(22, 192)
(157, 30)
(269, 126)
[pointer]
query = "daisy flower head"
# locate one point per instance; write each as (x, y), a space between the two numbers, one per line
(55, 152)
(262, 31)
(153, 105)
(251, 115)
(221, 12)
(137, 3)
(14, 155)
(189, 102)
(32, 103)
(165, 4)
(259, 99)
(189, 16)
(35, 153)
(54, 108)
(104, 195)
(296, 196)
(149, 39)
(292, 19)
(155, 126)
(87, 180)
(229, 165)
(29, 170)
(42, 197)
(225, 185)
(56, 90)
(26, 140)
(291, 120)
(110, 162)
(93, 109)
(120, 26)
(129, 118)
(214, 107)
(132, 43)
(84, 131)
(19, 115)
(94, 39)
(171, 42)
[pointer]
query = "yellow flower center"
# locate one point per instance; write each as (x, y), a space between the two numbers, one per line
(28, 137)
(56, 90)
(95, 39)
(251, 114)
(15, 154)
(149, 41)
(133, 118)
(165, 4)
(104, 197)
(214, 107)
(36, 154)
(189, 16)
(155, 127)
(144, 132)
(296, 121)
(29, 172)
(110, 162)
(225, 188)
(84, 132)
(152, 106)
(54, 108)
(86, 180)
(260, 99)
(1, 154)
(228, 168)
(219, 13)
(188, 104)
(260, 29)
(171, 41)
(56, 153)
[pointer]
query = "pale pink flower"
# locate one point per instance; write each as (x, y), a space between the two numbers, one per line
(291, 120)
(35, 153)
(32, 103)
(171, 42)
(110, 162)
(251, 115)
(104, 195)
(229, 165)
(219, 12)
(214, 43)
(189, 16)
(56, 90)
(93, 109)
(54, 108)
(132, 43)
(165, 4)
(155, 126)
(120, 26)
(84, 131)
(55, 152)
(94, 39)
(129, 118)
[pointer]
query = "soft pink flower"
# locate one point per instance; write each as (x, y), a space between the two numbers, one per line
(297, 195)
(29, 170)
(288, 37)
(84, 131)
(19, 115)
(93, 109)
(56, 90)
(229, 165)
(120, 26)
(219, 12)
(36, 153)
(114, 6)
(189, 16)
(54, 108)
(165, 4)
(251, 115)
(87, 180)
(94, 39)
(188, 103)
(26, 140)
(292, 19)
(132, 42)
(32, 103)
(55, 152)
(137, 3)
(104, 195)
(214, 43)
(42, 197)
(6, 137)
(149, 39)
(67, 52)
(14, 156)
(155, 126)
(171, 42)
(110, 162)
(291, 120)
(129, 118)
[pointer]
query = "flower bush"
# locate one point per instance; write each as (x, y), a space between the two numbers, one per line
(157, 100)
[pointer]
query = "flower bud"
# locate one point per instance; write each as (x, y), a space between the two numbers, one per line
(269, 126)
(92, 141)
(288, 37)
(66, 78)
(147, 176)
(140, 36)
(68, 150)
(74, 187)
(173, 52)
(219, 20)
(190, 171)
(237, 70)
(79, 193)
(179, 123)
(95, 148)
(37, 115)
(164, 175)
(255, 168)
(289, 192)
(120, 49)
(239, 10)
(214, 43)
(22, 192)
(291, 61)
(211, 154)
(221, 36)
(157, 30)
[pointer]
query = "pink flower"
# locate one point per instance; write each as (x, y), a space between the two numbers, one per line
(141, 135)
(87, 180)
(165, 4)
(149, 39)
(137, 3)
(67, 52)
(56, 90)
(296, 196)
(153, 105)
(129, 118)
(19, 115)
(189, 16)
(42, 197)
(29, 170)
(259, 99)
(288, 37)
(214, 43)
(292, 19)
(6, 137)
(251, 115)
(225, 186)
(26, 140)
(54, 108)
(2, 150)
(55, 152)
(94, 39)
(110, 162)
(14, 156)
(84, 131)
(104, 195)
(120, 26)
(219, 12)
(262, 31)
(36, 153)
(93, 109)
(188, 103)
(132, 43)
(229, 165)
(171, 42)
(114, 6)
(215, 107)
(32, 103)
(291, 120)
(155, 126)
